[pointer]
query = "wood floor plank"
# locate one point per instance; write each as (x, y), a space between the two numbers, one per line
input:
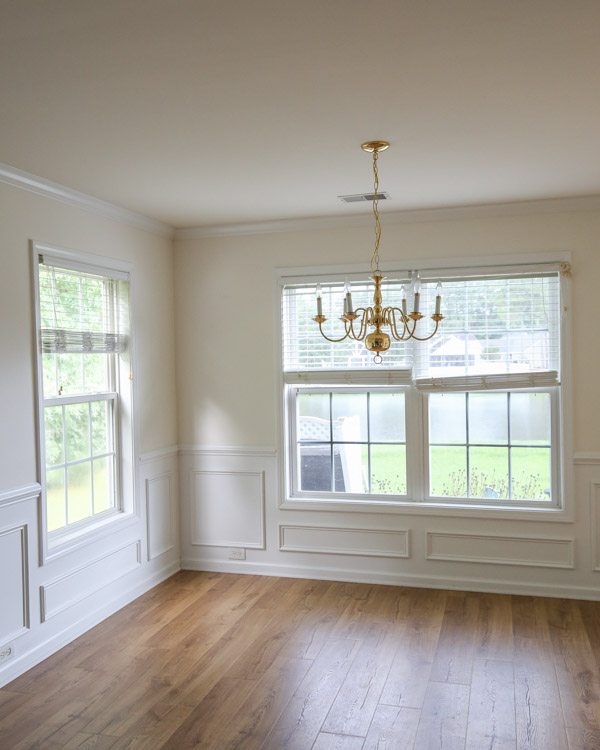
(409, 674)
(355, 704)
(494, 636)
(393, 728)
(539, 718)
(530, 619)
(576, 668)
(583, 739)
(337, 742)
(443, 722)
(491, 706)
(455, 650)
(299, 724)
(248, 728)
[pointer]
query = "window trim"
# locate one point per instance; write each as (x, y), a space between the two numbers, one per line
(62, 541)
(421, 505)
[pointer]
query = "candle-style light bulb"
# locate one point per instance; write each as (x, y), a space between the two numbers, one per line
(403, 296)
(438, 297)
(319, 293)
(417, 291)
(348, 308)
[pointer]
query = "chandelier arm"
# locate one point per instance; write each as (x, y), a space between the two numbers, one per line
(335, 341)
(392, 314)
(363, 325)
(426, 338)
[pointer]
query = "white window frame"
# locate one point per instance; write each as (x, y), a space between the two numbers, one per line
(418, 502)
(61, 541)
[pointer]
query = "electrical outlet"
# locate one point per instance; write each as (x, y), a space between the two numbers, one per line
(237, 553)
(7, 652)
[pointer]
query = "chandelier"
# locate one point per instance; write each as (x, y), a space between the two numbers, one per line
(401, 324)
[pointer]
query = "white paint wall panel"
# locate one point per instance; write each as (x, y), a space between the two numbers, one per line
(504, 550)
(227, 508)
(63, 592)
(14, 582)
(160, 515)
(344, 541)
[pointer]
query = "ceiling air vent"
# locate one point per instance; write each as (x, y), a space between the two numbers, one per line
(362, 197)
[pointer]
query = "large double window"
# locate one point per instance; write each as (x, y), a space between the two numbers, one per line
(471, 416)
(83, 341)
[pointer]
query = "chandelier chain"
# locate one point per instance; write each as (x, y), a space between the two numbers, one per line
(375, 258)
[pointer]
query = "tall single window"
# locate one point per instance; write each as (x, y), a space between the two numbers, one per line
(83, 347)
(479, 421)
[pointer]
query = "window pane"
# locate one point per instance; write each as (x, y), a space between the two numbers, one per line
(387, 417)
(350, 417)
(55, 499)
(531, 473)
(448, 471)
(49, 371)
(315, 467)
(79, 487)
(95, 372)
(70, 373)
(53, 430)
(447, 419)
(103, 484)
(77, 421)
(488, 418)
(351, 467)
(102, 426)
(313, 417)
(388, 469)
(488, 472)
(530, 418)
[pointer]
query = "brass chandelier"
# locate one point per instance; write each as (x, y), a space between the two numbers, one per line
(402, 325)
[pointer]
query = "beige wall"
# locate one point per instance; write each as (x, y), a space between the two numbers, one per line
(25, 216)
(226, 325)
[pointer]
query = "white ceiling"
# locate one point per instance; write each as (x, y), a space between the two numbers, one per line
(204, 112)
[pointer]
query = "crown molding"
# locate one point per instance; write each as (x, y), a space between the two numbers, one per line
(26, 181)
(413, 216)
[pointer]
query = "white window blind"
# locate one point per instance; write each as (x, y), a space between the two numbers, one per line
(494, 328)
(82, 312)
(305, 349)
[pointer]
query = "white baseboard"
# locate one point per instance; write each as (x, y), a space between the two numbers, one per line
(42, 651)
(396, 579)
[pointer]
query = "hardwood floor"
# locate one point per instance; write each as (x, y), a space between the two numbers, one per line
(228, 662)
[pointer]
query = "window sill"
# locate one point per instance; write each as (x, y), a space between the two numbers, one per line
(68, 542)
(429, 509)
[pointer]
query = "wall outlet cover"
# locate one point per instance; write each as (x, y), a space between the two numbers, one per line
(6, 652)
(237, 553)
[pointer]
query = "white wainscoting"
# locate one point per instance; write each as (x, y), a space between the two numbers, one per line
(595, 526)
(86, 580)
(501, 550)
(227, 508)
(161, 514)
(337, 540)
(14, 612)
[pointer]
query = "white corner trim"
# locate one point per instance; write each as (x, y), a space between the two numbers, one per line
(40, 186)
(170, 450)
(410, 216)
(226, 450)
(586, 458)
(19, 494)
